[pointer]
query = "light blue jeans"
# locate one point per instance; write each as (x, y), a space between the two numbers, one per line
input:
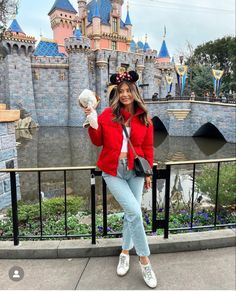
(127, 189)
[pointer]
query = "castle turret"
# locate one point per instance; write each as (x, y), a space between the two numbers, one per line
(149, 70)
(128, 24)
(63, 21)
(96, 22)
(165, 67)
(77, 49)
(16, 61)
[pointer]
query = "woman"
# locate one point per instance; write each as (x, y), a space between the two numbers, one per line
(117, 162)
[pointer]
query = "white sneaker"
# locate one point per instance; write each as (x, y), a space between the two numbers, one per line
(123, 265)
(148, 275)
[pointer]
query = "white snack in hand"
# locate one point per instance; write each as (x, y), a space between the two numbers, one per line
(93, 119)
(88, 99)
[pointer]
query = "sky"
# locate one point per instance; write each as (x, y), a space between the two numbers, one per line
(193, 21)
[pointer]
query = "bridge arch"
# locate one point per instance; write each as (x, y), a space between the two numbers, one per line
(209, 130)
(158, 124)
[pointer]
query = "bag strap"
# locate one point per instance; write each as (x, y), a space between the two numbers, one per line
(127, 135)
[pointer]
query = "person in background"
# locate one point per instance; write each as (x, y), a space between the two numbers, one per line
(192, 96)
(155, 97)
(116, 161)
(168, 95)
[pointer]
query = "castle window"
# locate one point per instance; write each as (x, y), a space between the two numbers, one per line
(113, 45)
(114, 24)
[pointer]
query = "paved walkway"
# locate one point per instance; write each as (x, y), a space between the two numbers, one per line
(196, 270)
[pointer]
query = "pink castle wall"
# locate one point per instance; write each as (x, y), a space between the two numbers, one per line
(63, 27)
(104, 44)
(121, 46)
(163, 60)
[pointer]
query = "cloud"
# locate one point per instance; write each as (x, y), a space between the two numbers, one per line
(197, 21)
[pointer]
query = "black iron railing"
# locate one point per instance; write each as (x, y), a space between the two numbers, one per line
(158, 174)
(188, 98)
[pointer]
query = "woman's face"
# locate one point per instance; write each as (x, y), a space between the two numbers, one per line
(125, 95)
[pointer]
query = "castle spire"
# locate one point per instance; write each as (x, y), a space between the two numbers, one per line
(163, 53)
(15, 27)
(163, 56)
(146, 46)
(127, 21)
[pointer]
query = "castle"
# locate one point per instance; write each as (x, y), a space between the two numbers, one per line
(88, 46)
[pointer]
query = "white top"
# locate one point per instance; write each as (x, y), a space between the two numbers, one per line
(124, 148)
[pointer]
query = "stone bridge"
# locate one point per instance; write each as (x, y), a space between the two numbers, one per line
(194, 118)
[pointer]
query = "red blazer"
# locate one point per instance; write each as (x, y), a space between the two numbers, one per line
(110, 135)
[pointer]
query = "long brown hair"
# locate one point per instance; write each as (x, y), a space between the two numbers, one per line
(116, 105)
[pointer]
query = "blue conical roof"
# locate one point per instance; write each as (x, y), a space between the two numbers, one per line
(77, 33)
(15, 27)
(140, 44)
(133, 46)
(96, 12)
(146, 47)
(63, 5)
(163, 51)
(127, 21)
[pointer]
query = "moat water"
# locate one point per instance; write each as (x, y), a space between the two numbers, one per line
(67, 147)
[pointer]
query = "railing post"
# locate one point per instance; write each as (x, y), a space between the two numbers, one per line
(154, 199)
(167, 202)
(14, 208)
(40, 204)
(65, 202)
(104, 202)
(93, 207)
(217, 191)
(193, 189)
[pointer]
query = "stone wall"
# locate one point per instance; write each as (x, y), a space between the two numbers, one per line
(3, 81)
(51, 96)
(184, 118)
(8, 157)
(48, 87)
(20, 86)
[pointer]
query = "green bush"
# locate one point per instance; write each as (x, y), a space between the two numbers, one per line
(206, 183)
(50, 207)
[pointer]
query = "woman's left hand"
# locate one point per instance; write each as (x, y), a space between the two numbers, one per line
(147, 183)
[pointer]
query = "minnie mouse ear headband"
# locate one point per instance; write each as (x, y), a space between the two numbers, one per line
(130, 76)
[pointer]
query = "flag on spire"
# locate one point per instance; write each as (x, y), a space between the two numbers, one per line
(17, 7)
(164, 35)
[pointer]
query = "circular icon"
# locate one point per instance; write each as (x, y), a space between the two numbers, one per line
(16, 273)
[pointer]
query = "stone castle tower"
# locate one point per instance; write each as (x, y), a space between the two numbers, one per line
(87, 47)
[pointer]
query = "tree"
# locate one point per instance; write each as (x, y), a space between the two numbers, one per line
(219, 54)
(206, 183)
(201, 79)
(8, 10)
